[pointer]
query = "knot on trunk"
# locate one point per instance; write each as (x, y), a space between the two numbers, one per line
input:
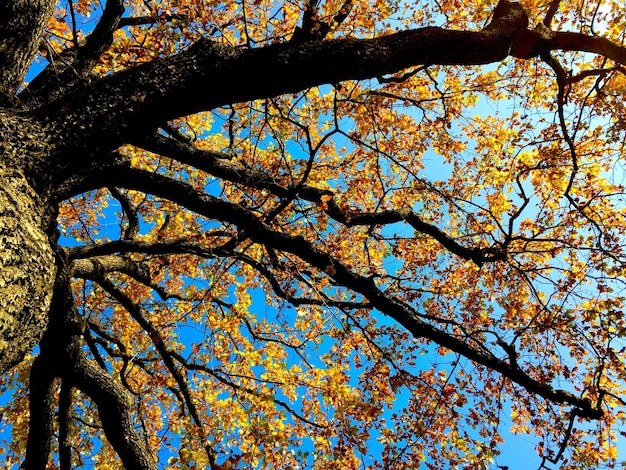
(508, 25)
(509, 19)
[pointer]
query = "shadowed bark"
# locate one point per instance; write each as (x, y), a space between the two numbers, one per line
(22, 24)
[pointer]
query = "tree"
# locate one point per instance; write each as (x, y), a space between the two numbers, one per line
(349, 234)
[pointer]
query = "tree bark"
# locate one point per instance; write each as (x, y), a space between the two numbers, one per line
(22, 23)
(27, 268)
(114, 109)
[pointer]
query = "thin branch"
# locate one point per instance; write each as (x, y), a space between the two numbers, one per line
(595, 72)
(219, 377)
(73, 18)
(554, 7)
(206, 161)
(399, 78)
(563, 445)
(148, 20)
(561, 78)
(214, 208)
(136, 313)
(132, 230)
(91, 344)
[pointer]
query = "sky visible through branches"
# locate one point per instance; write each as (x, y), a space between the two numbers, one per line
(239, 275)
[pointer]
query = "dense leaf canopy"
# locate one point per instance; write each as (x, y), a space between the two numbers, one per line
(320, 233)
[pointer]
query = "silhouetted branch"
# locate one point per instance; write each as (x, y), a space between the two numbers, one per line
(214, 208)
(42, 411)
(207, 161)
(140, 271)
(166, 356)
(65, 423)
(147, 20)
(84, 58)
(152, 93)
(552, 9)
(132, 229)
(114, 408)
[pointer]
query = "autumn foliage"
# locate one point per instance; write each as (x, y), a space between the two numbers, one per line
(386, 269)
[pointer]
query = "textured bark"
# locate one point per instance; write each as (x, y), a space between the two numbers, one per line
(21, 26)
(115, 409)
(27, 268)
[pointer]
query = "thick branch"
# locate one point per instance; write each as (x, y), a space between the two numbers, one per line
(87, 268)
(98, 266)
(115, 412)
(65, 421)
(567, 41)
(541, 41)
(209, 75)
(258, 231)
(477, 255)
(41, 403)
(181, 246)
(54, 349)
(101, 37)
(71, 180)
(82, 61)
(62, 356)
(22, 24)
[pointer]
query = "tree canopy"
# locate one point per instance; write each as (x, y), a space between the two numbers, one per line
(311, 234)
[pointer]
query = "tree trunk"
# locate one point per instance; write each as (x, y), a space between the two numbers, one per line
(27, 264)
